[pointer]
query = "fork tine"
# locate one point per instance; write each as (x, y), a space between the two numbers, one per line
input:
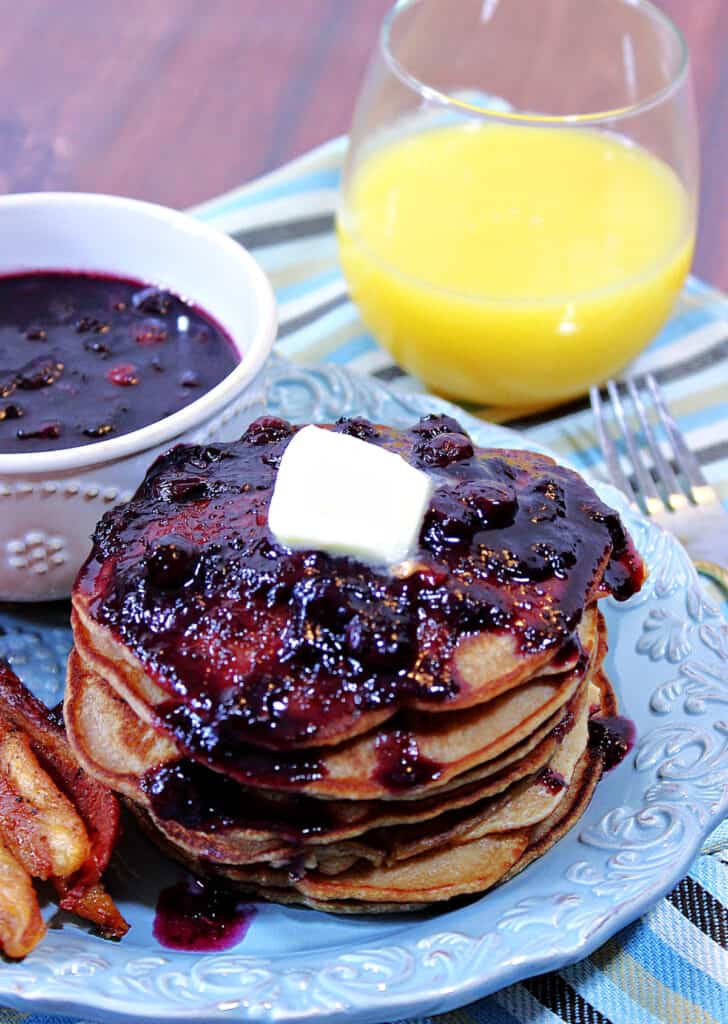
(700, 490)
(609, 449)
(676, 496)
(650, 498)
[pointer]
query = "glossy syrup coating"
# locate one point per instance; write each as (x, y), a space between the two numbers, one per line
(85, 357)
(200, 799)
(200, 916)
(262, 647)
(613, 736)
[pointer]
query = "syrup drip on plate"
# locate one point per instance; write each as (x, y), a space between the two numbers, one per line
(198, 916)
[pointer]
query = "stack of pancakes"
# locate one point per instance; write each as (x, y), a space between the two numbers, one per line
(349, 737)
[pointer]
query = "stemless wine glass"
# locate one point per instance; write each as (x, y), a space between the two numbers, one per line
(519, 199)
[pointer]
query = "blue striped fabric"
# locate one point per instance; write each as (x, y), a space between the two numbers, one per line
(671, 967)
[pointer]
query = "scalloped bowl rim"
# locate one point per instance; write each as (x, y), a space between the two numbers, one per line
(252, 357)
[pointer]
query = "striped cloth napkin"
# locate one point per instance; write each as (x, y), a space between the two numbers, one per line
(671, 967)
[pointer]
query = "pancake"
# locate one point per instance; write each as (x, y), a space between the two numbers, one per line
(522, 805)
(320, 731)
(462, 868)
(121, 751)
(421, 750)
(188, 596)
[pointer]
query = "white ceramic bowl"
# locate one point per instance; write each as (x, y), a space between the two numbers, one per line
(51, 501)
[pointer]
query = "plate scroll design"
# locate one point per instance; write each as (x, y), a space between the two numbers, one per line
(634, 843)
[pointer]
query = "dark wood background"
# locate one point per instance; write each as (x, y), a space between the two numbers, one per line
(177, 100)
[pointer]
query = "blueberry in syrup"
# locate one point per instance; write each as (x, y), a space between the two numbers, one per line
(171, 562)
(492, 501)
(267, 430)
(433, 424)
(124, 375)
(444, 449)
(564, 726)
(448, 523)
(356, 426)
(76, 346)
(382, 637)
(154, 301)
(45, 432)
(551, 780)
(400, 765)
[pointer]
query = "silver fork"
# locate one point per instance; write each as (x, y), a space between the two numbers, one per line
(671, 490)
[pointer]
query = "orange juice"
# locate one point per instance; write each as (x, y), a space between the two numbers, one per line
(514, 265)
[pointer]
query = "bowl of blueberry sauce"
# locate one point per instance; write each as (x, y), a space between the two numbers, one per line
(125, 328)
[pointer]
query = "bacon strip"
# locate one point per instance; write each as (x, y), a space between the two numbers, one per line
(56, 823)
(38, 823)
(21, 926)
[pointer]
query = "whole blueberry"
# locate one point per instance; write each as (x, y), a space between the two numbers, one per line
(494, 503)
(382, 638)
(171, 562)
(448, 522)
(356, 426)
(433, 424)
(444, 449)
(267, 430)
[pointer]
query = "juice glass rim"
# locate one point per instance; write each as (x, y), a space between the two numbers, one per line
(431, 93)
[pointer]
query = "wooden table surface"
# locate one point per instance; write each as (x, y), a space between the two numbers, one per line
(177, 100)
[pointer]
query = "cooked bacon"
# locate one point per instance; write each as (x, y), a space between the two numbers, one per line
(21, 926)
(56, 823)
(95, 905)
(97, 805)
(38, 823)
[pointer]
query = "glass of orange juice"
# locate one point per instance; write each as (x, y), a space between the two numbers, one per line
(519, 200)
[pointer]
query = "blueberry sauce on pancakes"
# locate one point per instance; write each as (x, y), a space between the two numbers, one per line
(262, 649)
(350, 734)
(613, 736)
(87, 357)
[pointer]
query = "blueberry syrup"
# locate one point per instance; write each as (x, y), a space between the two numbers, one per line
(85, 357)
(400, 765)
(266, 652)
(202, 800)
(197, 915)
(613, 737)
(205, 801)
(551, 780)
(564, 726)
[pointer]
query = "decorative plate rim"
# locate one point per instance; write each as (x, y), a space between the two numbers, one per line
(431, 965)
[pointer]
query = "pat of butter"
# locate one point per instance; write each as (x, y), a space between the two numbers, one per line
(338, 494)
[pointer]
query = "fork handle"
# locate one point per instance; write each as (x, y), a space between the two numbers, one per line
(715, 572)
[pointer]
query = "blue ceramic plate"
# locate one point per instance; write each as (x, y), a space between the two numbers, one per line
(668, 660)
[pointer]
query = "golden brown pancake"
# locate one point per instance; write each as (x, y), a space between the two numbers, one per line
(452, 744)
(461, 867)
(347, 736)
(190, 600)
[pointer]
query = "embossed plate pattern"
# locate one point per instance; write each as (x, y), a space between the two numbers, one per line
(669, 661)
